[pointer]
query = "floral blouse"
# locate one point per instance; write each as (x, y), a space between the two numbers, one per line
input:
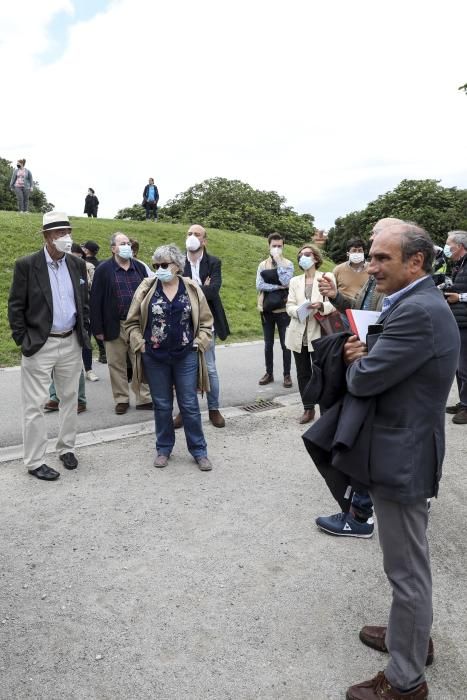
(169, 330)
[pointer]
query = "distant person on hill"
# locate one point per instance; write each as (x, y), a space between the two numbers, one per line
(352, 274)
(48, 311)
(21, 184)
(91, 204)
(150, 200)
(272, 283)
(205, 270)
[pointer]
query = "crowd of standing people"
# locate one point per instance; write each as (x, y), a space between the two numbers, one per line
(380, 439)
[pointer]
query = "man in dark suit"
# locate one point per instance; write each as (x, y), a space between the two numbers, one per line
(114, 284)
(48, 312)
(205, 270)
(409, 370)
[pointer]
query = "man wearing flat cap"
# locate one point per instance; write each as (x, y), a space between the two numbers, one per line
(48, 311)
(90, 250)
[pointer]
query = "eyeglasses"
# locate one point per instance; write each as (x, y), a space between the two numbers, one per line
(164, 266)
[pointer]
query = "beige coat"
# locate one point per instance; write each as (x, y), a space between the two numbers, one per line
(137, 319)
(296, 329)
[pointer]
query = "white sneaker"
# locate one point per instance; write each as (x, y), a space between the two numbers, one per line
(92, 376)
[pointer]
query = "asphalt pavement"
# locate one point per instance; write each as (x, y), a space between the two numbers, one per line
(125, 582)
(240, 366)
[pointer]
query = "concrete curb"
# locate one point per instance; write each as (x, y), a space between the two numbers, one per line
(96, 437)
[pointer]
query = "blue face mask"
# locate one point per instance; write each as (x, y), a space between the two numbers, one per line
(124, 251)
(447, 251)
(164, 275)
(306, 261)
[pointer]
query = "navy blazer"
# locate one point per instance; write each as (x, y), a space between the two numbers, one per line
(105, 318)
(210, 266)
(30, 307)
(409, 371)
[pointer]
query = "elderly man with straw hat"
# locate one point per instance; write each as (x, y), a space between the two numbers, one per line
(48, 311)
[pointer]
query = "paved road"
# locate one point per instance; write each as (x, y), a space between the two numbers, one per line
(239, 366)
(125, 582)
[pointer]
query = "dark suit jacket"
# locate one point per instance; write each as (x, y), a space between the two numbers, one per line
(409, 371)
(30, 310)
(105, 318)
(210, 266)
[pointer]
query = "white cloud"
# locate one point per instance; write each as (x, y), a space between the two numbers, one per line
(310, 99)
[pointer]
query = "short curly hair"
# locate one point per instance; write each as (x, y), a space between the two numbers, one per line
(316, 252)
(169, 253)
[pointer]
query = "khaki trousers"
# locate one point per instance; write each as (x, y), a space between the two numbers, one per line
(116, 351)
(62, 356)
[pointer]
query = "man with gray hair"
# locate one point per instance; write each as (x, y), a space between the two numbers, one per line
(405, 364)
(114, 284)
(456, 296)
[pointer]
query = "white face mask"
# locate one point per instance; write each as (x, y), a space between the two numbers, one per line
(276, 250)
(192, 243)
(124, 251)
(63, 244)
(356, 258)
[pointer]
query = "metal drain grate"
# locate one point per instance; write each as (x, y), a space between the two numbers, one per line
(261, 405)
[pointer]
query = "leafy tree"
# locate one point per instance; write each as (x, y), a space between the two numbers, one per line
(233, 205)
(437, 209)
(37, 201)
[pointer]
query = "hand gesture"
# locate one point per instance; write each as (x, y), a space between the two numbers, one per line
(327, 287)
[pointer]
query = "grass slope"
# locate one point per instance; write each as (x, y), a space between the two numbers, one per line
(240, 254)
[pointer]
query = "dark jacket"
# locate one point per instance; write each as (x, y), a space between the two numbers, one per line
(146, 193)
(105, 318)
(210, 266)
(409, 371)
(90, 204)
(459, 285)
(30, 307)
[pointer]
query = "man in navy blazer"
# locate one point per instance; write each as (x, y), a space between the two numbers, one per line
(409, 370)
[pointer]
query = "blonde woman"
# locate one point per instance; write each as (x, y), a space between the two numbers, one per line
(300, 334)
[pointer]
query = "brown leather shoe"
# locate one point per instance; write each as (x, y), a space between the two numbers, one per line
(461, 417)
(145, 406)
(161, 461)
(308, 415)
(216, 418)
(51, 406)
(453, 409)
(178, 421)
(266, 379)
(375, 637)
(121, 408)
(287, 383)
(81, 407)
(379, 688)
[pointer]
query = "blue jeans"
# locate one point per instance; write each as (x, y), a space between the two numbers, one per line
(362, 505)
(162, 377)
(210, 357)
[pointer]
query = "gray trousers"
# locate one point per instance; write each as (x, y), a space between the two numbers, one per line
(406, 557)
(22, 197)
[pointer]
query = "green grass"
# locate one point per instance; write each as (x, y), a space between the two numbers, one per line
(240, 254)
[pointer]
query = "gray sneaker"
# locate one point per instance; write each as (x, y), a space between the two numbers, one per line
(203, 464)
(161, 461)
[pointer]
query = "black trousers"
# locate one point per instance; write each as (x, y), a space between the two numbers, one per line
(303, 365)
(269, 321)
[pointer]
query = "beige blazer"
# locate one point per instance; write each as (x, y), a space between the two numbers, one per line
(296, 330)
(137, 319)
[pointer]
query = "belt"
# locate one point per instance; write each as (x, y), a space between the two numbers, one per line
(61, 335)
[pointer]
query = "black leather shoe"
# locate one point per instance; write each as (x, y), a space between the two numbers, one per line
(69, 460)
(44, 472)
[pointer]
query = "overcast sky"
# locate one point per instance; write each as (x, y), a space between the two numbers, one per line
(329, 103)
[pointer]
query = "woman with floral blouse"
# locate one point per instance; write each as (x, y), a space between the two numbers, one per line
(169, 326)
